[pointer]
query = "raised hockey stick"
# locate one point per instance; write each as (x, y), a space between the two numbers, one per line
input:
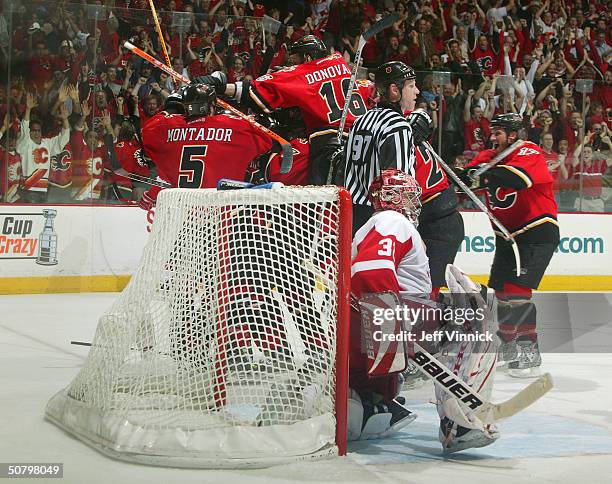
(487, 411)
(487, 166)
(480, 205)
(160, 35)
(378, 27)
(287, 149)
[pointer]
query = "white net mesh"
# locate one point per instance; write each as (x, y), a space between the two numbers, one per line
(221, 351)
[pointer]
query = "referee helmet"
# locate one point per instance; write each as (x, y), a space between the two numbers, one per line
(394, 72)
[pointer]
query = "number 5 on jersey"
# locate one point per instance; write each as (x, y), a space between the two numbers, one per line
(191, 172)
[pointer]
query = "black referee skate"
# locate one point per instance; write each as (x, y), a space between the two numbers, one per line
(527, 364)
(455, 438)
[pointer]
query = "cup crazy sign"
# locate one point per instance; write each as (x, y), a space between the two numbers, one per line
(29, 236)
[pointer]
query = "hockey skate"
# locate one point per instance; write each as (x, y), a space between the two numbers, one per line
(384, 418)
(527, 365)
(455, 438)
(506, 353)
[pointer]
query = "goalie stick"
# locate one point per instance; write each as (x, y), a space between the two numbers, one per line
(378, 27)
(488, 412)
(479, 204)
(287, 149)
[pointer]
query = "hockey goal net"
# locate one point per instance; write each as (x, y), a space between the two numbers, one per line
(228, 348)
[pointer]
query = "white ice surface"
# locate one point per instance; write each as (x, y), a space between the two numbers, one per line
(565, 437)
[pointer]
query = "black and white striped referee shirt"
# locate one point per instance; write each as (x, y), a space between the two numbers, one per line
(380, 139)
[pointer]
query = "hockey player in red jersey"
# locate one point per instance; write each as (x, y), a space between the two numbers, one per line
(440, 223)
(519, 193)
(315, 83)
(389, 257)
(199, 148)
(289, 124)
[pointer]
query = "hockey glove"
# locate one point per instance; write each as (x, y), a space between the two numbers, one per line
(469, 178)
(422, 125)
(217, 79)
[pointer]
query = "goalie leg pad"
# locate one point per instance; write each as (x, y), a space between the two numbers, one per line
(478, 371)
(355, 416)
(472, 361)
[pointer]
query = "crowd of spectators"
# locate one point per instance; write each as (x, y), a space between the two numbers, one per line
(71, 94)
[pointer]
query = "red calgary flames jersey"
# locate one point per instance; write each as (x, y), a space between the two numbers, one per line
(10, 175)
(129, 156)
(87, 168)
(520, 191)
(61, 168)
(299, 171)
(429, 174)
(317, 88)
(197, 153)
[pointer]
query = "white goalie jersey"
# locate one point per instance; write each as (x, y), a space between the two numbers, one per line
(389, 255)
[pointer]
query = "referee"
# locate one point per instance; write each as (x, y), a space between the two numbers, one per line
(381, 138)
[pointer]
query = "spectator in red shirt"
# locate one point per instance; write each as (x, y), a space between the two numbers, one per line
(41, 65)
(476, 128)
(588, 173)
(555, 162)
(239, 71)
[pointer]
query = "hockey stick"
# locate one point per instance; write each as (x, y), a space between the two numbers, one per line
(298, 348)
(480, 205)
(487, 166)
(378, 27)
(487, 411)
(142, 179)
(160, 35)
(287, 149)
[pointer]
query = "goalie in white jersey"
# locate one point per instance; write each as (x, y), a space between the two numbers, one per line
(389, 256)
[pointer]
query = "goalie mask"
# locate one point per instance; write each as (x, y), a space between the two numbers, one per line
(398, 191)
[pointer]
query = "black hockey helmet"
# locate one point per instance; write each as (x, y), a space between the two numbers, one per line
(174, 102)
(509, 122)
(199, 99)
(394, 72)
(422, 125)
(309, 45)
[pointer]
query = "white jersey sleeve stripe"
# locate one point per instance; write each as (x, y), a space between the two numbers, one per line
(370, 265)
